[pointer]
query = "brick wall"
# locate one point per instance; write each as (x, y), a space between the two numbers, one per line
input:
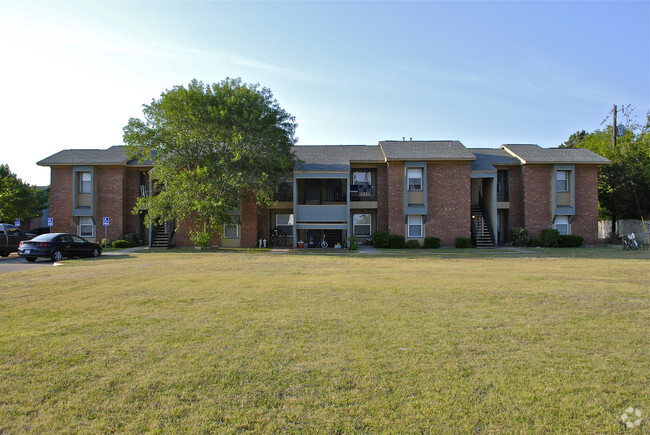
(449, 201)
(537, 198)
(585, 222)
(61, 200)
(382, 198)
(395, 198)
(248, 215)
(516, 197)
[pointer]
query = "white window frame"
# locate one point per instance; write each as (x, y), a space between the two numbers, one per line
(410, 175)
(355, 225)
(85, 186)
(566, 224)
(562, 185)
(86, 221)
(226, 226)
(415, 220)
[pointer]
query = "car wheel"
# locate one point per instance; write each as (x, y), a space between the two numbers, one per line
(30, 259)
(96, 252)
(57, 255)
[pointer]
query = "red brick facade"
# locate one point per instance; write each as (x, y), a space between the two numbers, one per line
(585, 222)
(448, 197)
(537, 198)
(395, 196)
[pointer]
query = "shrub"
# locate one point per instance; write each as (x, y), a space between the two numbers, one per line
(381, 239)
(431, 242)
(463, 242)
(519, 236)
(413, 244)
(396, 242)
(105, 243)
(550, 238)
(570, 241)
(353, 244)
(121, 244)
(200, 238)
(536, 242)
(132, 238)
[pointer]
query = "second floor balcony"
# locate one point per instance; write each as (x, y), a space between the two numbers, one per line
(363, 192)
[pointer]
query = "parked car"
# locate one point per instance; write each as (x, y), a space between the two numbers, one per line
(58, 245)
(10, 238)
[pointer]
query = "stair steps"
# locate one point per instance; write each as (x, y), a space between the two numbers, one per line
(483, 234)
(160, 238)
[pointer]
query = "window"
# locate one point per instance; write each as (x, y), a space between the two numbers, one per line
(562, 225)
(415, 226)
(85, 182)
(562, 181)
(86, 226)
(361, 224)
(231, 231)
(284, 223)
(414, 176)
(361, 177)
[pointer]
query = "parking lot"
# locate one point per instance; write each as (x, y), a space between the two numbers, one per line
(13, 263)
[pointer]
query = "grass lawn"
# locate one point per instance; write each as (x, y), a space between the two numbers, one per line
(556, 340)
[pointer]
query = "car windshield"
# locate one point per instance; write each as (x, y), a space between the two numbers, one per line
(45, 238)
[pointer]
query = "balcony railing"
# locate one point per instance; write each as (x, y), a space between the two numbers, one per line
(283, 196)
(363, 192)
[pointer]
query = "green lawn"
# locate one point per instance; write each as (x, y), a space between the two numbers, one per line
(554, 340)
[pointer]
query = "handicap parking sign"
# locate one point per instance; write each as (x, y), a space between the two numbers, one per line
(105, 221)
(50, 222)
(17, 223)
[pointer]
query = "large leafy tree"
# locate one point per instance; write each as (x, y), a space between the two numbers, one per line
(623, 186)
(19, 200)
(211, 145)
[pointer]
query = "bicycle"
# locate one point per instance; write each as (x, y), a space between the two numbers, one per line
(629, 242)
(323, 243)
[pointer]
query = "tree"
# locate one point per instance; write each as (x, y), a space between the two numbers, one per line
(19, 200)
(211, 146)
(623, 186)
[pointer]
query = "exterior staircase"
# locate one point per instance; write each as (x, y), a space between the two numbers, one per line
(160, 238)
(483, 234)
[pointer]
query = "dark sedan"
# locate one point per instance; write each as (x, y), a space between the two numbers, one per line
(58, 245)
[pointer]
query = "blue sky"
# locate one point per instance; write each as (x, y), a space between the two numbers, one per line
(485, 73)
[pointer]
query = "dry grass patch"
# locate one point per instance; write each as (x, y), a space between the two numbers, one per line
(230, 342)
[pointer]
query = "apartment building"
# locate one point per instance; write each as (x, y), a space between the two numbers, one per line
(416, 189)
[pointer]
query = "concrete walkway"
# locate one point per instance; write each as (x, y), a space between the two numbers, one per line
(365, 249)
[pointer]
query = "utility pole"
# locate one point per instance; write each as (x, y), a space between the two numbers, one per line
(614, 129)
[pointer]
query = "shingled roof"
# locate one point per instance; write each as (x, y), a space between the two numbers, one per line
(425, 150)
(113, 156)
(335, 157)
(534, 154)
(486, 158)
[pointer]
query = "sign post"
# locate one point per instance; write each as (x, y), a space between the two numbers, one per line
(106, 222)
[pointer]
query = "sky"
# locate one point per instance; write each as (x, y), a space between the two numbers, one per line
(484, 73)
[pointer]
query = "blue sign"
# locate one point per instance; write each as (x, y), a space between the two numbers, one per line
(106, 221)
(17, 223)
(50, 222)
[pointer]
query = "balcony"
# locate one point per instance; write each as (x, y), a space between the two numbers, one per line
(363, 192)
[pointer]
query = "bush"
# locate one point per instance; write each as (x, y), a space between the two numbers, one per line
(381, 239)
(570, 241)
(106, 243)
(353, 244)
(413, 244)
(550, 238)
(536, 242)
(200, 238)
(463, 242)
(132, 238)
(396, 242)
(121, 244)
(431, 242)
(519, 236)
